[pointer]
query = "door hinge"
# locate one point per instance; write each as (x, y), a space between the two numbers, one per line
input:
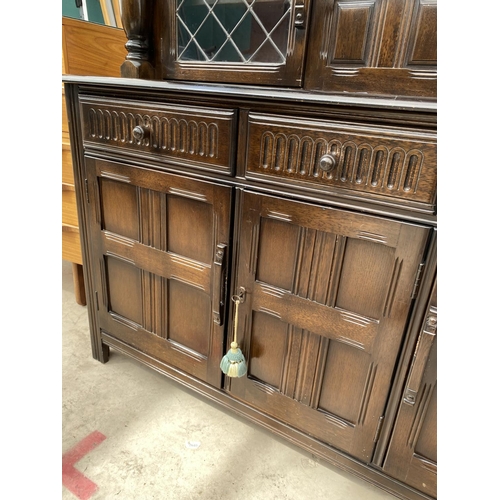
(379, 428)
(418, 279)
(97, 299)
(87, 190)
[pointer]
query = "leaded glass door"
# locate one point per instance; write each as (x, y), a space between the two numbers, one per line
(236, 41)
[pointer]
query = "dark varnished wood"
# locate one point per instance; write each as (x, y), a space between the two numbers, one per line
(369, 47)
(154, 240)
(329, 118)
(100, 350)
(319, 449)
(325, 310)
(201, 137)
(288, 74)
(329, 291)
(383, 162)
(375, 47)
(137, 22)
(316, 203)
(412, 453)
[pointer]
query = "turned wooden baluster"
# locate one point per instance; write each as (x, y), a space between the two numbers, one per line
(137, 23)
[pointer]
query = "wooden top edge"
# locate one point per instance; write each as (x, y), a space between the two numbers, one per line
(251, 92)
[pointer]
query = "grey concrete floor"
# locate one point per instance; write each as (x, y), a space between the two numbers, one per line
(161, 441)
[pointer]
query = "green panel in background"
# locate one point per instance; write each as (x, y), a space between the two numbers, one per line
(69, 9)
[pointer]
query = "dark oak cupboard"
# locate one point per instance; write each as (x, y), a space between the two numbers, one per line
(284, 152)
(327, 294)
(154, 236)
(412, 453)
(386, 47)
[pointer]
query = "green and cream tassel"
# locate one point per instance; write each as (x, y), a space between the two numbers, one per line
(233, 364)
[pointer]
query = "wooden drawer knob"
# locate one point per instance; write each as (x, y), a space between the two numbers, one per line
(139, 133)
(327, 162)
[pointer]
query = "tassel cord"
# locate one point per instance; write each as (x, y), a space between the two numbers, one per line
(236, 300)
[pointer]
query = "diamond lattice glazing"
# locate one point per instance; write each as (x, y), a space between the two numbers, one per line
(235, 31)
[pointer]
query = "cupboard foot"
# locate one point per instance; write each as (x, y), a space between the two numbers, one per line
(105, 353)
(100, 351)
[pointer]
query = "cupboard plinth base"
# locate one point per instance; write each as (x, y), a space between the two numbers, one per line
(330, 456)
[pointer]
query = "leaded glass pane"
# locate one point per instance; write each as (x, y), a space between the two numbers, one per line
(235, 31)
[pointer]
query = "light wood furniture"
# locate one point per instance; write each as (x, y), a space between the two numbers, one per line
(297, 171)
(87, 49)
(111, 13)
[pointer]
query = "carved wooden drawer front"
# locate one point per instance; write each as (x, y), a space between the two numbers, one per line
(386, 165)
(182, 135)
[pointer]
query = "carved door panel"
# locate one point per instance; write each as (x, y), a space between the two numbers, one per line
(412, 454)
(384, 47)
(159, 250)
(235, 41)
(327, 294)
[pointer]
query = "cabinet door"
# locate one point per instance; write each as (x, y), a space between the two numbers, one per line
(159, 251)
(412, 455)
(386, 47)
(327, 295)
(235, 41)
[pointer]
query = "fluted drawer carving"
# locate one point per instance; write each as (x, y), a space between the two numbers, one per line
(191, 135)
(395, 163)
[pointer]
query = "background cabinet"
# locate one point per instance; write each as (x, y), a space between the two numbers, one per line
(87, 49)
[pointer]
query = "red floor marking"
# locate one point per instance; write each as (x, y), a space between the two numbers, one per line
(73, 479)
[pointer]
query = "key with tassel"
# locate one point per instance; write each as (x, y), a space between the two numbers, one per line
(233, 364)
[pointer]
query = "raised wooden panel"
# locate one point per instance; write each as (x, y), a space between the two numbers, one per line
(321, 351)
(352, 32)
(124, 289)
(365, 265)
(154, 238)
(279, 257)
(269, 337)
(186, 135)
(375, 47)
(426, 443)
(119, 207)
(186, 217)
(422, 45)
(189, 316)
(385, 165)
(341, 385)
